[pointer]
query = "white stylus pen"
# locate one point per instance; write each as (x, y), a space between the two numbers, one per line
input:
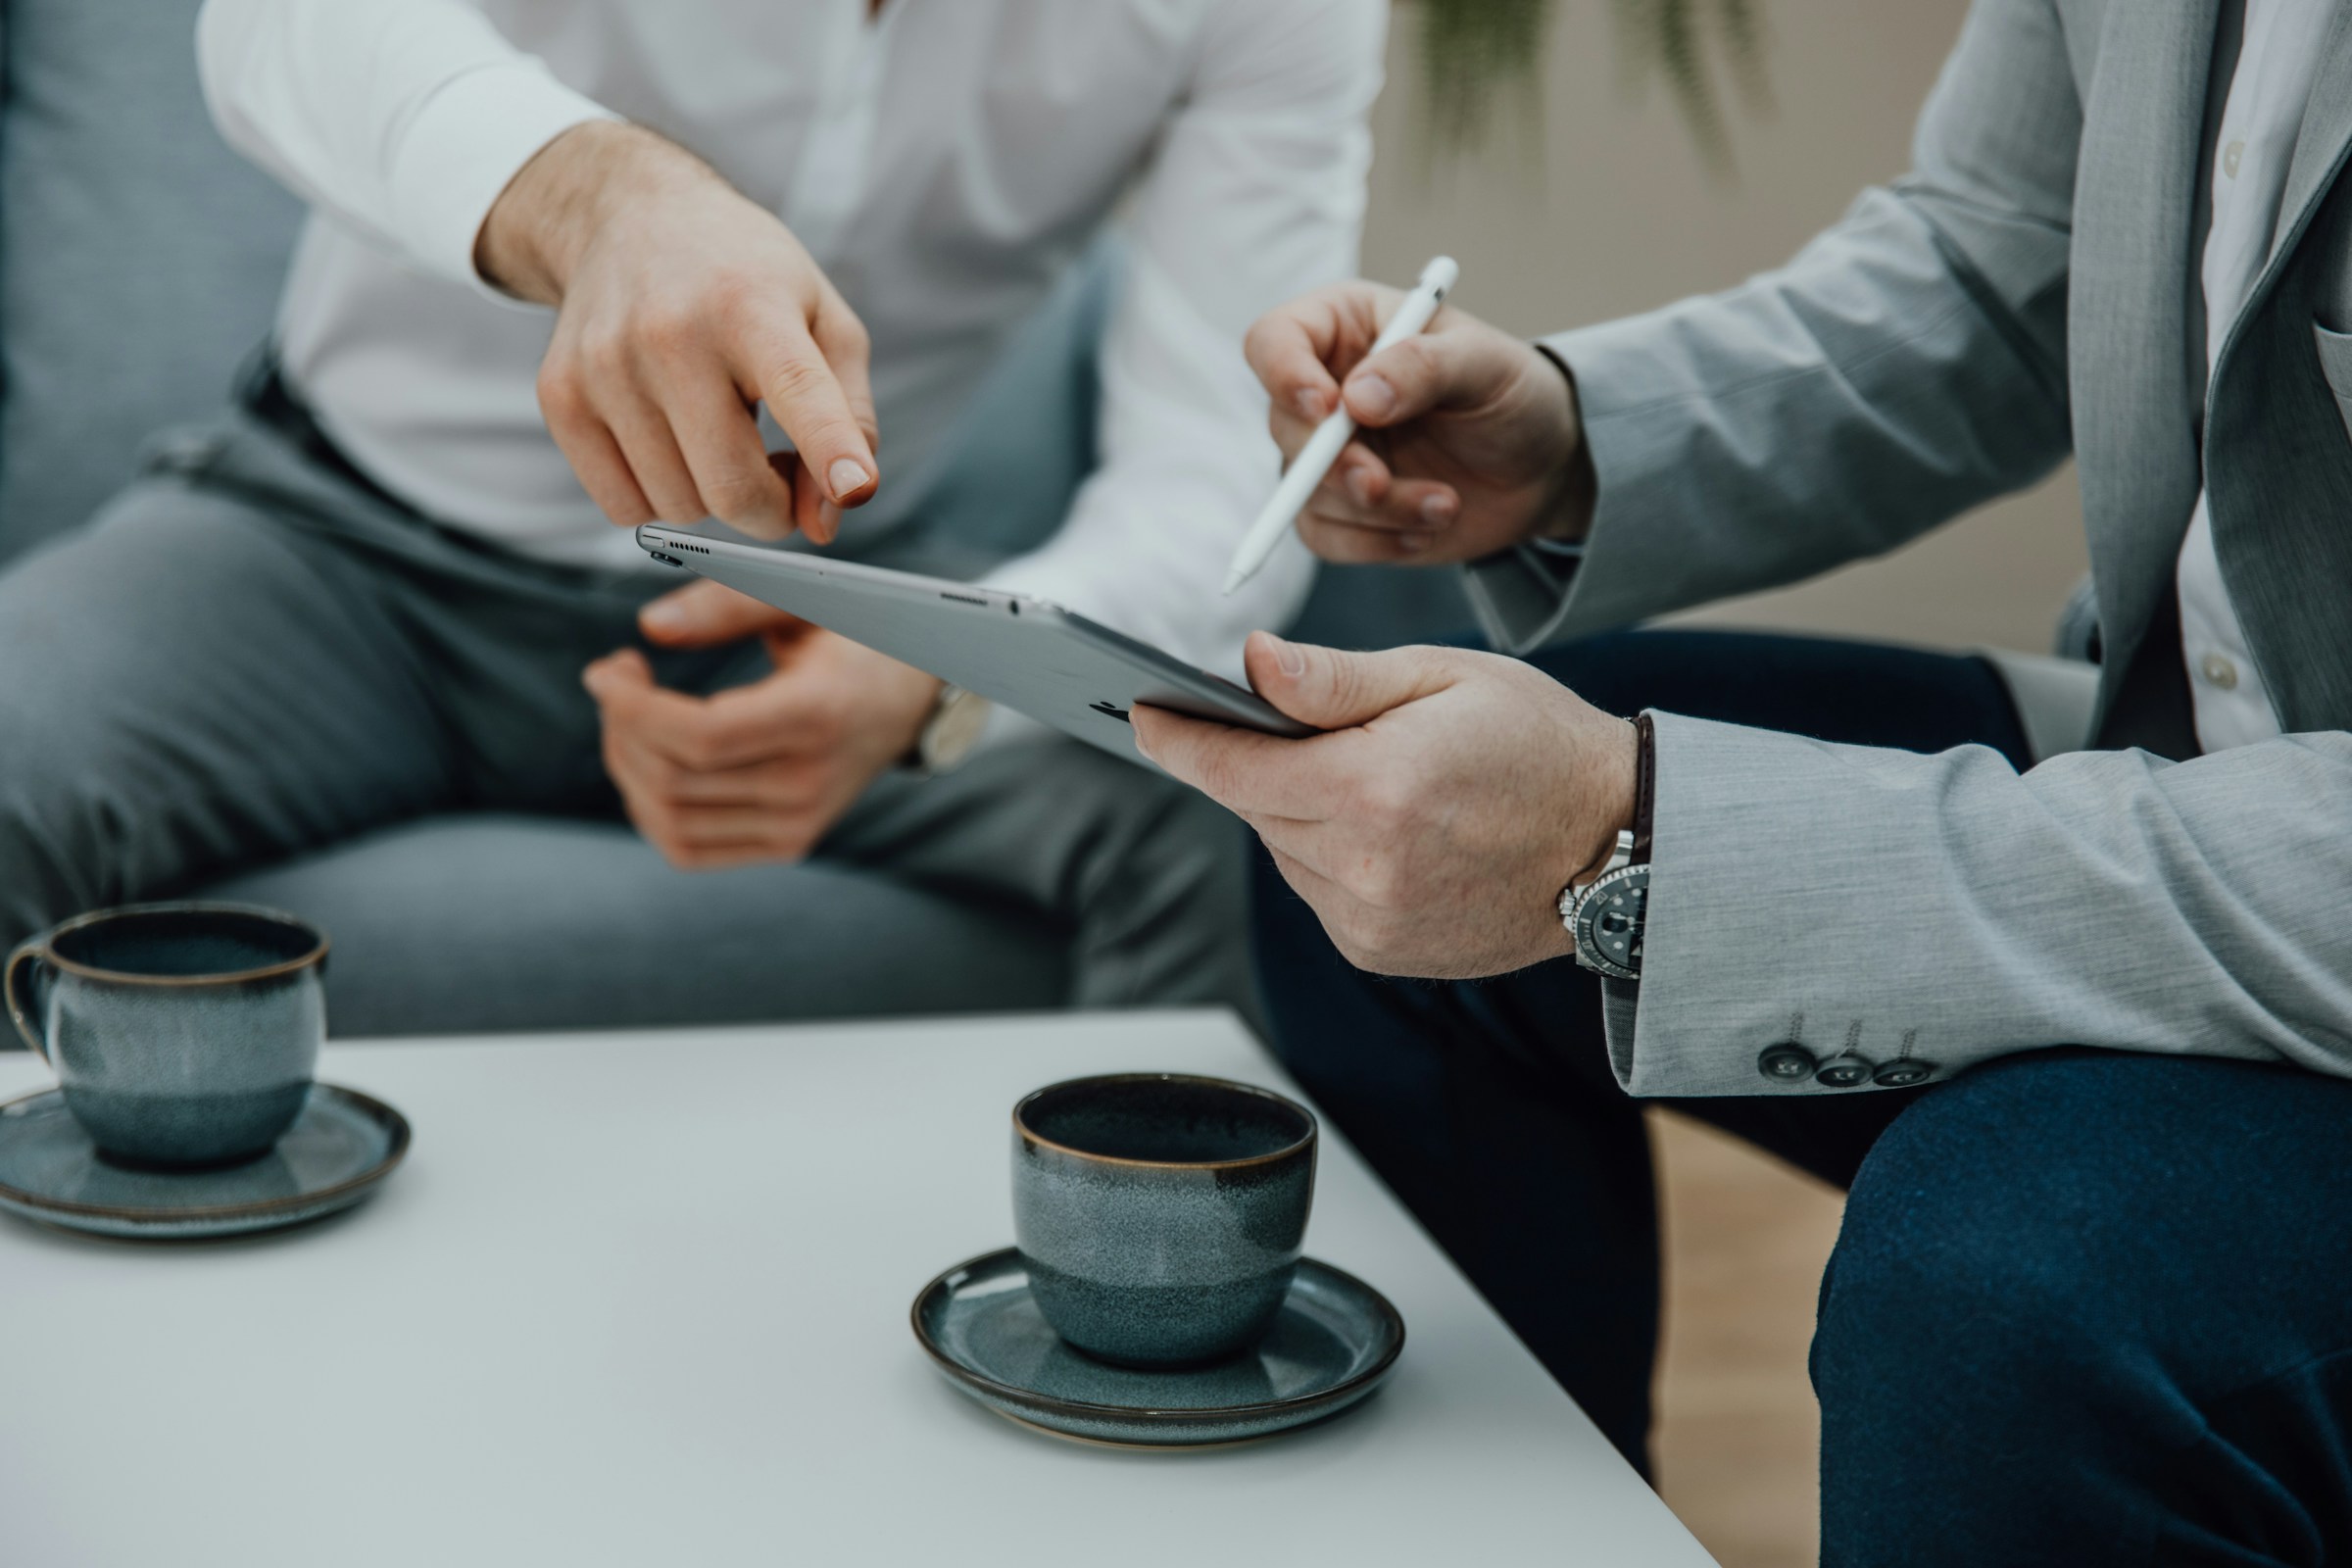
(1331, 437)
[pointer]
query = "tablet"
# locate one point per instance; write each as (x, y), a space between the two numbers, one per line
(1035, 657)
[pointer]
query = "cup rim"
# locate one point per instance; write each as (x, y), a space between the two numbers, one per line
(1022, 1129)
(268, 971)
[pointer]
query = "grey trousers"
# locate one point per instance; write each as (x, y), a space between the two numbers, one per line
(247, 655)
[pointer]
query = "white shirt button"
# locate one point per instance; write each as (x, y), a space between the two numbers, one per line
(2220, 672)
(2230, 155)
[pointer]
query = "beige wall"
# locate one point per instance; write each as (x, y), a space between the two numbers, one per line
(1605, 208)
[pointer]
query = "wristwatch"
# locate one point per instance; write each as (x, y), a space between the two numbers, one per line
(1607, 914)
(951, 732)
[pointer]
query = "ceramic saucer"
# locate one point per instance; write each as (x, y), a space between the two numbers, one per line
(342, 1144)
(1336, 1340)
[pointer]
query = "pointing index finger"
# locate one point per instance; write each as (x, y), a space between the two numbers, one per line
(807, 400)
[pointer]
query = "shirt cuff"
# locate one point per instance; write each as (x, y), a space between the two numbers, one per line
(1521, 594)
(465, 147)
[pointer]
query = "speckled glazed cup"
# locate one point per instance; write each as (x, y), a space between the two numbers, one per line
(182, 1034)
(1160, 1215)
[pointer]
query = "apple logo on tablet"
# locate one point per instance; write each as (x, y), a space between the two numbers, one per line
(1120, 714)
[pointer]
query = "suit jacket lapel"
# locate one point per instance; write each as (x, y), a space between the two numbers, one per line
(2134, 260)
(2279, 498)
(2320, 146)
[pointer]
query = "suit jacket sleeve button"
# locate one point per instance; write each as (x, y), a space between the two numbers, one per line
(1903, 1074)
(1842, 1071)
(1786, 1063)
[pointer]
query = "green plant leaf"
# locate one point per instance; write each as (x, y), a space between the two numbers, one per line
(1474, 54)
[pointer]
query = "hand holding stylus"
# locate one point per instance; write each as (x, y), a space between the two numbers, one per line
(1468, 439)
(1312, 462)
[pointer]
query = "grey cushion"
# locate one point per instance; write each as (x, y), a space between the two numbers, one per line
(490, 922)
(139, 258)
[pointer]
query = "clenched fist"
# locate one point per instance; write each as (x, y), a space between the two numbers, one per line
(759, 772)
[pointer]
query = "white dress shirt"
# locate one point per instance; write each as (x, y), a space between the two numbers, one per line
(943, 161)
(2267, 94)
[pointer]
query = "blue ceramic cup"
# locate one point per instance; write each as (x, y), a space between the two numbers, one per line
(182, 1034)
(1160, 1216)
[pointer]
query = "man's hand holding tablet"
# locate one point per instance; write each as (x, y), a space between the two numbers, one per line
(1448, 780)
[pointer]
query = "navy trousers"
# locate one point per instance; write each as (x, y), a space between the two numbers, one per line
(2085, 1307)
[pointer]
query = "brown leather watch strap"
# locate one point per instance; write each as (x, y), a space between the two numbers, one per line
(1645, 787)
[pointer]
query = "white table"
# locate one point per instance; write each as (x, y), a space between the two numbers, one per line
(641, 1299)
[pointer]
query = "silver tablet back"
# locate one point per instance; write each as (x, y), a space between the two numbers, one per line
(1032, 657)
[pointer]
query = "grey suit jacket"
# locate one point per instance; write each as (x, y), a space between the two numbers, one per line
(2031, 289)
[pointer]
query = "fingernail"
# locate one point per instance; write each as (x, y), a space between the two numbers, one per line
(828, 518)
(1437, 511)
(1287, 657)
(847, 477)
(663, 615)
(1311, 402)
(1372, 395)
(1412, 544)
(1359, 485)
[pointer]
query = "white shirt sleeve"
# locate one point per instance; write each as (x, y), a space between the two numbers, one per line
(1256, 195)
(405, 119)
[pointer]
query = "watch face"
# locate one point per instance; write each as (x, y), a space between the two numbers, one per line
(1609, 922)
